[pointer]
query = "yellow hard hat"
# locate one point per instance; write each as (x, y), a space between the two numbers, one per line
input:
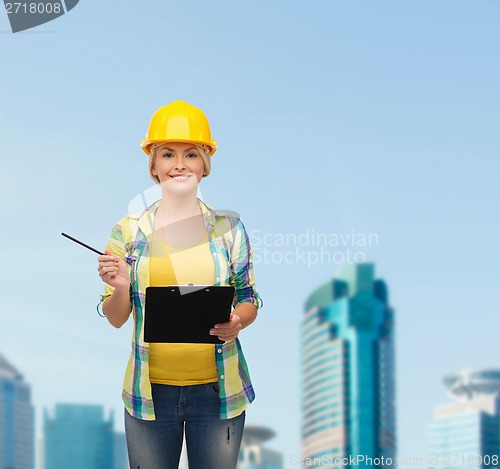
(179, 122)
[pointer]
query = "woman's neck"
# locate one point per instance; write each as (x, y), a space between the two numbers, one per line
(174, 207)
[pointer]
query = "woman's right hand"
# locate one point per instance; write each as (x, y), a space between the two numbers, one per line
(113, 270)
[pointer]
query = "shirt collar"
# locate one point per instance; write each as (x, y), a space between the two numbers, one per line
(146, 217)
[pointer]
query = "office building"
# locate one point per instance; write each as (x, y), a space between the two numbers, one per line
(17, 427)
(466, 432)
(253, 453)
(120, 457)
(78, 437)
(348, 371)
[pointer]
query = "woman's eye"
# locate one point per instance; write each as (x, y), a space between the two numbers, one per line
(167, 155)
(192, 155)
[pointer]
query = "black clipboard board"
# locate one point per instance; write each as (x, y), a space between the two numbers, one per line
(186, 313)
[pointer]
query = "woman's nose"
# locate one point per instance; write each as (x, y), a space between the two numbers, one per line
(179, 163)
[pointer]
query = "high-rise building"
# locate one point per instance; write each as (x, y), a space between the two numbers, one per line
(17, 427)
(253, 454)
(466, 432)
(78, 437)
(120, 457)
(348, 371)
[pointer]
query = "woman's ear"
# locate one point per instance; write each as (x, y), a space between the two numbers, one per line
(153, 166)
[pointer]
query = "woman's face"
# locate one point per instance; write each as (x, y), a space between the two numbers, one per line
(178, 166)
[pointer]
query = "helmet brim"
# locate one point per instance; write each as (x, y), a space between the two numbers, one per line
(146, 144)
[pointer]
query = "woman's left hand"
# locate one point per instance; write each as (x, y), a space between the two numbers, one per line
(227, 330)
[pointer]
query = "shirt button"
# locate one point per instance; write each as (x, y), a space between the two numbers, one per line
(221, 376)
(219, 350)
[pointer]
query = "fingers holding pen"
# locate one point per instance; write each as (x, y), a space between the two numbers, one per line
(112, 270)
(107, 270)
(108, 264)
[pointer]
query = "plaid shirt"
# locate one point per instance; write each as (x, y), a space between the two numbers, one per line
(130, 240)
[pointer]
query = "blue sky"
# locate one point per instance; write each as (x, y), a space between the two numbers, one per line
(337, 117)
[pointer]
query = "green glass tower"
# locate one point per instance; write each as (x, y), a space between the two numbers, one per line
(78, 437)
(348, 368)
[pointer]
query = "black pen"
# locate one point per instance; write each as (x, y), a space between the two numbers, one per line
(83, 244)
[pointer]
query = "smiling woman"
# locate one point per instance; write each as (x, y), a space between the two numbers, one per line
(172, 391)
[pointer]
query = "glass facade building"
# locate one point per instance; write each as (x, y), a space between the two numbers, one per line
(253, 453)
(17, 420)
(348, 371)
(78, 437)
(466, 432)
(120, 457)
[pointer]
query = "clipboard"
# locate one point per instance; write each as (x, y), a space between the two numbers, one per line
(186, 313)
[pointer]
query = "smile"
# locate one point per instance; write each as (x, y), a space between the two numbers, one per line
(181, 176)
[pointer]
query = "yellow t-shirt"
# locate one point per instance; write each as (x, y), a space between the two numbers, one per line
(181, 364)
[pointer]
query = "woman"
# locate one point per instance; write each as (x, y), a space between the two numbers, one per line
(200, 390)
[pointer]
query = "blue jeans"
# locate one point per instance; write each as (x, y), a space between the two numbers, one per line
(211, 443)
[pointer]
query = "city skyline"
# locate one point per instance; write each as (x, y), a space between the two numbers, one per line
(78, 435)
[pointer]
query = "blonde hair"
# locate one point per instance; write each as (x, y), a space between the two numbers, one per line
(203, 151)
